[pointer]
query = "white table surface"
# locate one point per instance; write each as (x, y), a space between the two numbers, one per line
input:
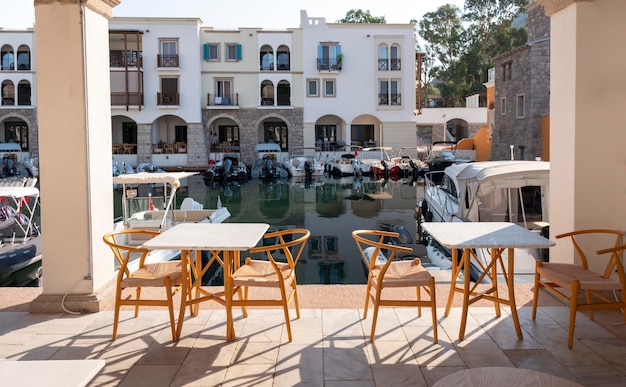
(49, 373)
(209, 236)
(467, 235)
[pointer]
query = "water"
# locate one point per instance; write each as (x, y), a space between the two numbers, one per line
(330, 209)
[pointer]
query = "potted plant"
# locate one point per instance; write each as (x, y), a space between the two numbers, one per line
(339, 60)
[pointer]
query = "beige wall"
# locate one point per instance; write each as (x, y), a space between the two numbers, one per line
(588, 161)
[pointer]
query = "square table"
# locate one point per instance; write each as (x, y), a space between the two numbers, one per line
(228, 238)
(497, 236)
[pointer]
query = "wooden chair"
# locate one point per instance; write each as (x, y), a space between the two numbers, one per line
(273, 273)
(388, 273)
(565, 280)
(167, 275)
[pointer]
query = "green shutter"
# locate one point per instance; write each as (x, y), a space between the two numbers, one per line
(205, 49)
(239, 52)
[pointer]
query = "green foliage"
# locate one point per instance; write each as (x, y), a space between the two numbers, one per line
(360, 16)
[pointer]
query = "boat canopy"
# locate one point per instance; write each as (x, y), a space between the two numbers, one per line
(172, 178)
(18, 192)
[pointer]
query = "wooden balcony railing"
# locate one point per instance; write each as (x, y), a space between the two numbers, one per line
(128, 99)
(167, 99)
(167, 60)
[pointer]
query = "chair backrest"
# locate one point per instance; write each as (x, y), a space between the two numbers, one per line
(119, 242)
(376, 238)
(579, 237)
(290, 242)
(615, 262)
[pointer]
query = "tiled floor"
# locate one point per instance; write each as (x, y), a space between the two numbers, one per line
(330, 347)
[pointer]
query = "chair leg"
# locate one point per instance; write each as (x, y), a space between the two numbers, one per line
(283, 294)
(572, 313)
(116, 313)
(170, 306)
(295, 297)
(367, 295)
(376, 306)
(138, 294)
(589, 301)
(433, 306)
(244, 311)
(418, 290)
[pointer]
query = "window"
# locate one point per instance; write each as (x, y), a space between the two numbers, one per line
(329, 88)
(233, 52)
(211, 51)
(395, 58)
(23, 93)
(283, 93)
(329, 56)
(223, 91)
(169, 91)
(282, 58)
(267, 93)
(389, 92)
(276, 132)
(228, 134)
(383, 59)
(8, 93)
(312, 88)
(503, 106)
(520, 106)
(325, 133)
(266, 57)
(23, 58)
(180, 133)
(169, 53)
(506, 71)
(7, 58)
(16, 131)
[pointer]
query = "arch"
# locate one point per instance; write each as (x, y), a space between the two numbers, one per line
(330, 129)
(283, 93)
(366, 130)
(223, 129)
(7, 58)
(266, 58)
(283, 58)
(383, 57)
(24, 93)
(14, 128)
(23, 58)
(457, 128)
(8, 92)
(121, 129)
(274, 128)
(267, 93)
(168, 129)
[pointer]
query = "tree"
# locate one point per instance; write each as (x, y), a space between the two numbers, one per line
(360, 16)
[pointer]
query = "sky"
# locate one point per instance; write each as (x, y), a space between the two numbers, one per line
(227, 14)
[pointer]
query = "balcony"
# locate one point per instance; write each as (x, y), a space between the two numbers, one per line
(167, 60)
(217, 101)
(126, 99)
(121, 61)
(328, 64)
(168, 99)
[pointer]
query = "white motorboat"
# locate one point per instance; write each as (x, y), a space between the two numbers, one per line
(492, 191)
(380, 163)
(20, 248)
(305, 163)
(148, 203)
(410, 164)
(347, 164)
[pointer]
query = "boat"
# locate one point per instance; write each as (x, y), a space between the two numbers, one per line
(230, 168)
(268, 162)
(305, 163)
(148, 203)
(514, 191)
(347, 164)
(20, 247)
(442, 154)
(379, 161)
(410, 164)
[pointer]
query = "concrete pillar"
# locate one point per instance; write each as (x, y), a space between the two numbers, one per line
(74, 151)
(587, 135)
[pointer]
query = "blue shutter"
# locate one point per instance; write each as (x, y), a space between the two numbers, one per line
(205, 50)
(338, 49)
(239, 54)
(320, 55)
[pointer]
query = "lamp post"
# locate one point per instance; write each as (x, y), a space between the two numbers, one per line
(444, 127)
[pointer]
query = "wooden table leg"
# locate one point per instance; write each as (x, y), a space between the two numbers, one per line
(455, 272)
(184, 261)
(466, 291)
(511, 284)
(229, 257)
(496, 254)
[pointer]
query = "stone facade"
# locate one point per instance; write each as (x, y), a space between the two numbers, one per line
(522, 92)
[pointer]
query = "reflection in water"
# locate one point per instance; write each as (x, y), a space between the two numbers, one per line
(330, 208)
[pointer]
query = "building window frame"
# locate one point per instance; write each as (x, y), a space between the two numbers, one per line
(330, 87)
(211, 52)
(313, 87)
(503, 106)
(520, 106)
(232, 52)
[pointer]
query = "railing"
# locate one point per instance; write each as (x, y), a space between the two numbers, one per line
(389, 99)
(222, 101)
(167, 99)
(167, 60)
(327, 64)
(134, 99)
(395, 64)
(122, 61)
(396, 99)
(383, 64)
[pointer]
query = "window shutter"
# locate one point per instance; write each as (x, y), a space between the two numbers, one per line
(338, 49)
(205, 49)
(239, 53)
(320, 52)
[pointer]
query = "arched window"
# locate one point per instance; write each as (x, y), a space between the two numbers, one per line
(395, 57)
(267, 93)
(8, 93)
(7, 58)
(383, 57)
(24, 93)
(283, 93)
(23, 58)
(283, 58)
(266, 58)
